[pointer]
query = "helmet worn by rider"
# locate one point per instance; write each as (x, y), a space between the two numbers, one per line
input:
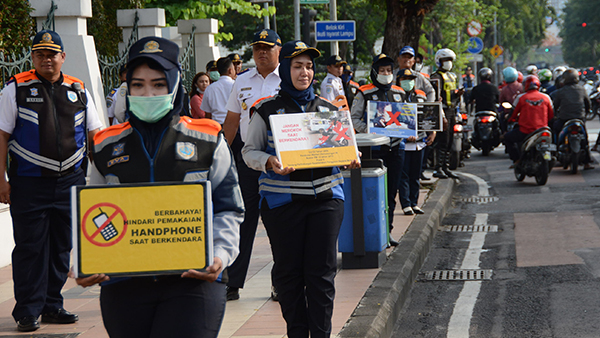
(570, 76)
(379, 61)
(531, 70)
(443, 54)
(485, 74)
(520, 77)
(545, 75)
(558, 71)
(510, 74)
(531, 83)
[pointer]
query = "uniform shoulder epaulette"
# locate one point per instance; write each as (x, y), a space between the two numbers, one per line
(207, 126)
(397, 88)
(71, 79)
(262, 101)
(110, 131)
(420, 92)
(243, 71)
(25, 76)
(352, 83)
(367, 87)
(425, 75)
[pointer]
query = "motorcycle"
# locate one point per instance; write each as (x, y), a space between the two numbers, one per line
(536, 156)
(595, 98)
(571, 144)
(460, 142)
(486, 132)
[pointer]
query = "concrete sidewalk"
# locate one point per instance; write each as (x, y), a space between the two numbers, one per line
(380, 292)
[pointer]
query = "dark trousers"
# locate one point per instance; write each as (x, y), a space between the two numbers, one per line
(168, 306)
(393, 159)
(41, 216)
(238, 271)
(303, 238)
(409, 182)
(512, 140)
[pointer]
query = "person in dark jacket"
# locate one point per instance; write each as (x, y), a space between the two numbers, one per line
(301, 209)
(571, 102)
(485, 95)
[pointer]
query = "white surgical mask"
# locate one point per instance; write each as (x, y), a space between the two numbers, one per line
(385, 79)
(447, 65)
(418, 67)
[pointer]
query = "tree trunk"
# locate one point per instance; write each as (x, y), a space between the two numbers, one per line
(403, 24)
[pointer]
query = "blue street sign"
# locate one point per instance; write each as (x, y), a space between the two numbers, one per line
(475, 45)
(335, 30)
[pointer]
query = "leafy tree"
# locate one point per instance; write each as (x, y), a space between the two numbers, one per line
(103, 25)
(16, 26)
(580, 44)
(202, 9)
(403, 23)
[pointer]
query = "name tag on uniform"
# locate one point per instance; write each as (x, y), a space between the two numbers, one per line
(34, 99)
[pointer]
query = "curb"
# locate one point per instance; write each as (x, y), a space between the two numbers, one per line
(378, 310)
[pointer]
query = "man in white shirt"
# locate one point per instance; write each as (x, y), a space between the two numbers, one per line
(216, 95)
(250, 86)
(332, 85)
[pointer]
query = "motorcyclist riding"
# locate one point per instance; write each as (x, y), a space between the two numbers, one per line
(545, 75)
(533, 110)
(571, 102)
(485, 94)
(509, 92)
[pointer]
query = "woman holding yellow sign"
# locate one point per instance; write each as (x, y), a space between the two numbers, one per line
(301, 209)
(157, 145)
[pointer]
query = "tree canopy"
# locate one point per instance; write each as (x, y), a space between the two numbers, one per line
(16, 26)
(580, 42)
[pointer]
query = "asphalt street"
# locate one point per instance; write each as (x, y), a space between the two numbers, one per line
(538, 274)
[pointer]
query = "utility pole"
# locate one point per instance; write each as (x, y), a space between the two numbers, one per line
(333, 17)
(495, 43)
(297, 20)
(267, 23)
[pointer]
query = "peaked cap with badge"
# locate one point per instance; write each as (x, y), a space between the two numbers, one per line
(267, 37)
(48, 40)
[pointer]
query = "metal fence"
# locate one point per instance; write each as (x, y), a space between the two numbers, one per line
(188, 62)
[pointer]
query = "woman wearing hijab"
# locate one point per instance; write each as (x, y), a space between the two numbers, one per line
(191, 304)
(301, 209)
(382, 89)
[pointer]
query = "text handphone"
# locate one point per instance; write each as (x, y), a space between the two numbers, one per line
(109, 230)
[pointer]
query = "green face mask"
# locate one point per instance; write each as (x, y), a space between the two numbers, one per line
(150, 109)
(214, 75)
(407, 85)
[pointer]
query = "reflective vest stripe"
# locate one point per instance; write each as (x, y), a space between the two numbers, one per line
(301, 183)
(29, 115)
(285, 190)
(45, 162)
(449, 86)
(79, 118)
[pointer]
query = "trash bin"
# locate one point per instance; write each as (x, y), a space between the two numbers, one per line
(363, 234)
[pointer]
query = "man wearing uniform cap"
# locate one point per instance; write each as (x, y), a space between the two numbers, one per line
(332, 85)
(237, 62)
(406, 59)
(250, 86)
(46, 121)
(350, 87)
(212, 70)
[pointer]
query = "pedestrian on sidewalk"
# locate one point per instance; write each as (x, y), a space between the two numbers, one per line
(191, 304)
(250, 85)
(302, 224)
(45, 164)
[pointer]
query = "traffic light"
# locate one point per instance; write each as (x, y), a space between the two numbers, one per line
(584, 24)
(308, 26)
(547, 50)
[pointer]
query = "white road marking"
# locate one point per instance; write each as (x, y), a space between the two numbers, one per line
(460, 321)
(483, 185)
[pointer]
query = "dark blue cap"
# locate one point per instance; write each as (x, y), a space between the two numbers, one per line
(234, 57)
(294, 48)
(211, 65)
(406, 73)
(49, 40)
(335, 60)
(407, 50)
(163, 51)
(382, 58)
(266, 36)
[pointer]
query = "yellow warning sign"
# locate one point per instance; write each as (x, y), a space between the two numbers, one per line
(496, 51)
(141, 229)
